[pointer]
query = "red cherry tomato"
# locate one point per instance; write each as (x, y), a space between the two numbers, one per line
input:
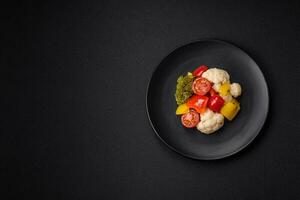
(201, 86)
(200, 70)
(198, 103)
(215, 103)
(190, 119)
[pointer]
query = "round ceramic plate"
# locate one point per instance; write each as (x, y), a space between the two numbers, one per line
(234, 135)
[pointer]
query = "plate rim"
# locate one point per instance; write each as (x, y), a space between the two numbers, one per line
(213, 157)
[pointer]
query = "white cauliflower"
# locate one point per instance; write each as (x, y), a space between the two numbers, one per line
(210, 122)
(235, 89)
(216, 76)
(227, 97)
(216, 87)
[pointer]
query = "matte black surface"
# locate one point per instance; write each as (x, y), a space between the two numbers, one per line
(73, 118)
(233, 136)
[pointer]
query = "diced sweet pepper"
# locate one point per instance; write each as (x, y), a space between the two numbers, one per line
(198, 103)
(224, 89)
(230, 109)
(182, 109)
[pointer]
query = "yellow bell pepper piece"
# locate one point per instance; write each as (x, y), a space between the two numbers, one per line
(234, 101)
(224, 89)
(230, 109)
(182, 109)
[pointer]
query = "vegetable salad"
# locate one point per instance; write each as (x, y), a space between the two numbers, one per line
(205, 97)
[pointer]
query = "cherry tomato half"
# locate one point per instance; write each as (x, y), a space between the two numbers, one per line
(201, 86)
(198, 103)
(200, 70)
(215, 103)
(190, 119)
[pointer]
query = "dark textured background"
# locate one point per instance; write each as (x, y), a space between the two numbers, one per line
(74, 78)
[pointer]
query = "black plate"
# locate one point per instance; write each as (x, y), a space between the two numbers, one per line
(233, 136)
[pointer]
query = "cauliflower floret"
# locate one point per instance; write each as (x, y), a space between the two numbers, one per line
(210, 122)
(227, 97)
(235, 89)
(216, 76)
(216, 87)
